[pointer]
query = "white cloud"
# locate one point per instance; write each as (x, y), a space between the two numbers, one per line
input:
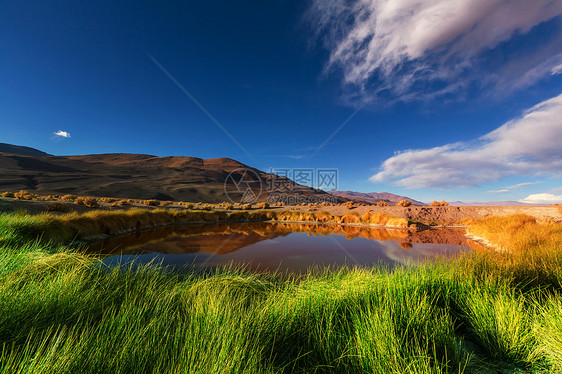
(556, 70)
(542, 198)
(521, 185)
(498, 191)
(62, 134)
(427, 46)
(530, 145)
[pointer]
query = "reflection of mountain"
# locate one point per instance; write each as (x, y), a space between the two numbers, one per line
(227, 238)
(211, 238)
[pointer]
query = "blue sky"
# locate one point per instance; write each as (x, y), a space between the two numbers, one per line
(455, 100)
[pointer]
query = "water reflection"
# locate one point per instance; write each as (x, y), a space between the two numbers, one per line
(280, 246)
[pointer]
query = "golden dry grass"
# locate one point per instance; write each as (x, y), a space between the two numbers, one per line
(518, 232)
(384, 219)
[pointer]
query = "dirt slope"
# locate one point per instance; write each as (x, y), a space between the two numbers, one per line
(136, 176)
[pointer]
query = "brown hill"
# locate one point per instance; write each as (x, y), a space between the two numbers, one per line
(21, 150)
(374, 197)
(140, 176)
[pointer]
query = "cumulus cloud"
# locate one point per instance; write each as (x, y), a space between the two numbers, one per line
(542, 198)
(529, 145)
(62, 134)
(409, 46)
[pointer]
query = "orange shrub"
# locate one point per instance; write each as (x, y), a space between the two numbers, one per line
(439, 203)
(68, 198)
(24, 195)
(107, 200)
(151, 202)
(323, 216)
(7, 194)
(90, 202)
(351, 218)
(366, 217)
(404, 203)
(382, 203)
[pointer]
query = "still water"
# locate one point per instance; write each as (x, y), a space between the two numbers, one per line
(279, 246)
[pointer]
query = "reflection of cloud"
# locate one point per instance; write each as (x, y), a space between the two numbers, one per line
(542, 198)
(430, 47)
(418, 252)
(529, 145)
(62, 134)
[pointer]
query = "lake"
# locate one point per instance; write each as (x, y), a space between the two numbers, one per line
(280, 246)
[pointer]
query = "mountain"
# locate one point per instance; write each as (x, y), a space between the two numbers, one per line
(140, 176)
(21, 150)
(373, 197)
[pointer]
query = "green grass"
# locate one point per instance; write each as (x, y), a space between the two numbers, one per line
(62, 311)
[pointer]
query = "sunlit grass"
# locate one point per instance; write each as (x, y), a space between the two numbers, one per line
(63, 311)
